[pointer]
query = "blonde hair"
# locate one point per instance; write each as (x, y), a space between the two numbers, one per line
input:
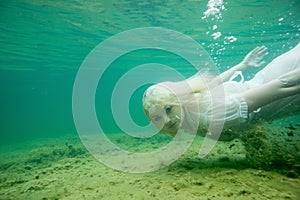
(158, 94)
(181, 94)
(167, 93)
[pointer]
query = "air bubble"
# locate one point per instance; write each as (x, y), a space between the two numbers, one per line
(213, 10)
(216, 35)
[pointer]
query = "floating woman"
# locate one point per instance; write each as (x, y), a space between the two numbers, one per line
(274, 92)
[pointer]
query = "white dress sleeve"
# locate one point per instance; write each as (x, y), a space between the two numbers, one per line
(236, 111)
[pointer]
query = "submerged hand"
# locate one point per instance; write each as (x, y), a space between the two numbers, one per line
(255, 58)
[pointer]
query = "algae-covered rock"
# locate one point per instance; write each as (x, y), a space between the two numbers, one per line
(272, 148)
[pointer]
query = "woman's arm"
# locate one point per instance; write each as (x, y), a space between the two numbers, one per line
(285, 86)
(253, 59)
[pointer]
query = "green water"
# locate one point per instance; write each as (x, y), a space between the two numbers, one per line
(43, 44)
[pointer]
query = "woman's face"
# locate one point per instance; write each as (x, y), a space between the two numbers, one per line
(166, 117)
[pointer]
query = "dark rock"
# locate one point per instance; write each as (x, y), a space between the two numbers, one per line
(291, 133)
(224, 159)
(291, 127)
(27, 168)
(292, 174)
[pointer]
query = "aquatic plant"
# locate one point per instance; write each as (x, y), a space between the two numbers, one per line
(272, 148)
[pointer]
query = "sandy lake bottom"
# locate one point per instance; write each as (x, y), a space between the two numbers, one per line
(61, 168)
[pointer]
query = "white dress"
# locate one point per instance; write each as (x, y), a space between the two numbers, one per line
(235, 106)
